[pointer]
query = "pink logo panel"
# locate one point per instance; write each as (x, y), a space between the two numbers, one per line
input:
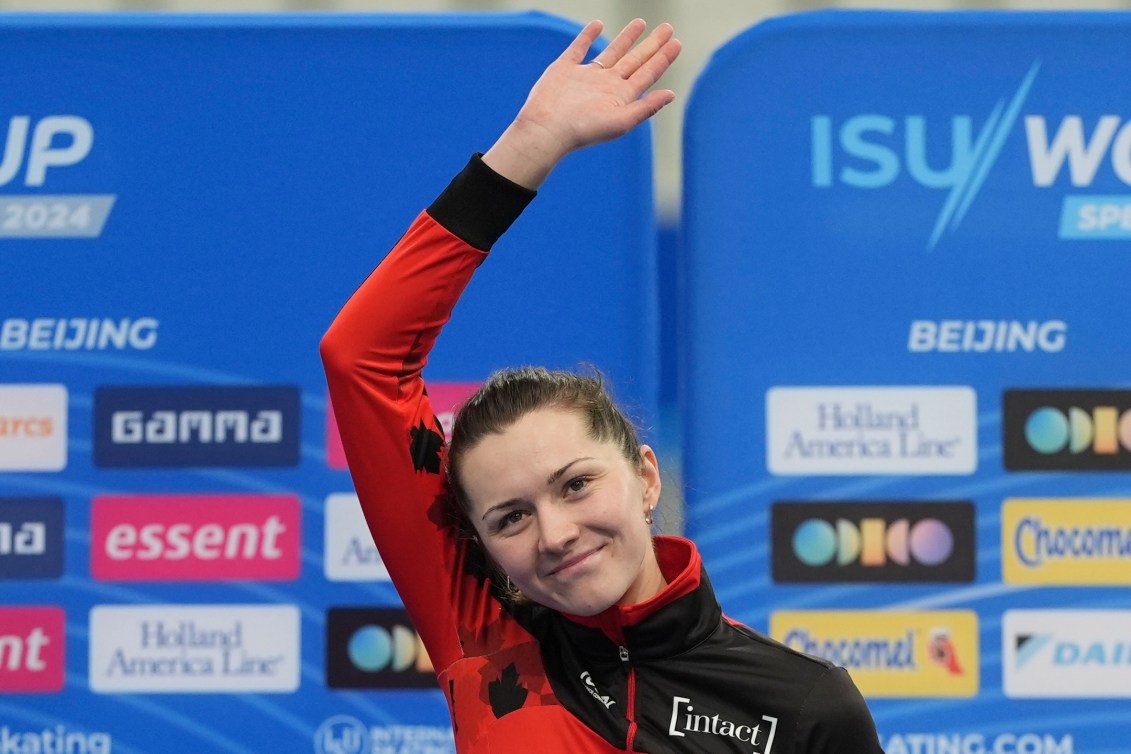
(446, 397)
(195, 537)
(32, 648)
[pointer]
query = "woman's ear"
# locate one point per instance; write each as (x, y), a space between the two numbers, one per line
(650, 476)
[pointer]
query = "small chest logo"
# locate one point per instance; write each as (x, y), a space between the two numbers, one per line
(592, 689)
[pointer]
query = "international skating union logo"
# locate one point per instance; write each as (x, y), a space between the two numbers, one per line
(341, 734)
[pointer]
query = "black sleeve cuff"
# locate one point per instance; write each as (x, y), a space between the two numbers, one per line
(479, 204)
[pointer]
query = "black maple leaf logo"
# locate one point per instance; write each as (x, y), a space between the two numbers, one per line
(425, 448)
(506, 694)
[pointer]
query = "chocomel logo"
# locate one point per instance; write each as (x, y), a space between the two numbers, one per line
(1066, 541)
(31, 538)
(375, 648)
(221, 649)
(32, 648)
(872, 541)
(56, 142)
(1077, 430)
(195, 537)
(686, 720)
(196, 426)
(1061, 654)
(891, 654)
(33, 427)
(871, 430)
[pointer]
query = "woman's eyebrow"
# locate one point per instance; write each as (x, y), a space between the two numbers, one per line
(558, 474)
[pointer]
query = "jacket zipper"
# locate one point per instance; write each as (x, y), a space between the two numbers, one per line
(630, 712)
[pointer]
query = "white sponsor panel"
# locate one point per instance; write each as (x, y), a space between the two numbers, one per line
(33, 427)
(871, 430)
(349, 553)
(195, 649)
(1060, 654)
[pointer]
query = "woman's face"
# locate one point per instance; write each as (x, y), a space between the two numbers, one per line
(563, 514)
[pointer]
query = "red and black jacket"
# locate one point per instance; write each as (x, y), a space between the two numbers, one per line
(672, 674)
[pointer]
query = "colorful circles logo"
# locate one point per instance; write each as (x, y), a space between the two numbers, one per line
(873, 542)
(373, 648)
(1049, 430)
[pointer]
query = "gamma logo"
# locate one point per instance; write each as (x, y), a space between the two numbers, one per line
(894, 541)
(1070, 430)
(370, 648)
(1062, 654)
(170, 426)
(31, 538)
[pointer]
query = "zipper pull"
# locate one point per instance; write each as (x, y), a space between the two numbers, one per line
(623, 654)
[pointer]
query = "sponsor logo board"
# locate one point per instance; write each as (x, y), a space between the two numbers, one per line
(890, 653)
(871, 430)
(1067, 654)
(349, 553)
(31, 538)
(32, 649)
(222, 649)
(33, 427)
(1066, 541)
(862, 541)
(195, 537)
(171, 426)
(375, 648)
(1070, 430)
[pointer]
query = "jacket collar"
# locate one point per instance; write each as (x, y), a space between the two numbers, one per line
(682, 615)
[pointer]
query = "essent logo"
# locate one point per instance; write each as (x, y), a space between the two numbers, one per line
(888, 653)
(33, 427)
(196, 426)
(873, 541)
(1067, 429)
(1082, 541)
(195, 537)
(32, 646)
(31, 538)
(686, 720)
(1067, 654)
(375, 648)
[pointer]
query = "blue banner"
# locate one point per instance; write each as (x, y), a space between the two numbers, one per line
(185, 203)
(906, 245)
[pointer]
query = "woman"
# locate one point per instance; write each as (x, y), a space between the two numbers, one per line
(556, 622)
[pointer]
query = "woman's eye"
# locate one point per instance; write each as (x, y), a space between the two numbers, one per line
(577, 485)
(511, 518)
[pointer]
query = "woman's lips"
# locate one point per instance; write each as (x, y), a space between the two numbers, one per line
(573, 564)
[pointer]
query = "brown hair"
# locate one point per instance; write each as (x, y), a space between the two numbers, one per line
(511, 394)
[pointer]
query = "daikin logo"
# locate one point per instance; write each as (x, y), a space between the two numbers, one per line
(874, 150)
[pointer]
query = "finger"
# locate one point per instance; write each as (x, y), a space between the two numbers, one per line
(623, 42)
(644, 51)
(644, 108)
(654, 67)
(580, 45)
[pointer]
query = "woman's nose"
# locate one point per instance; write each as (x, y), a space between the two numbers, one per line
(556, 529)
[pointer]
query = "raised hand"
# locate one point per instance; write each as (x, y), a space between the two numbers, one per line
(573, 105)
